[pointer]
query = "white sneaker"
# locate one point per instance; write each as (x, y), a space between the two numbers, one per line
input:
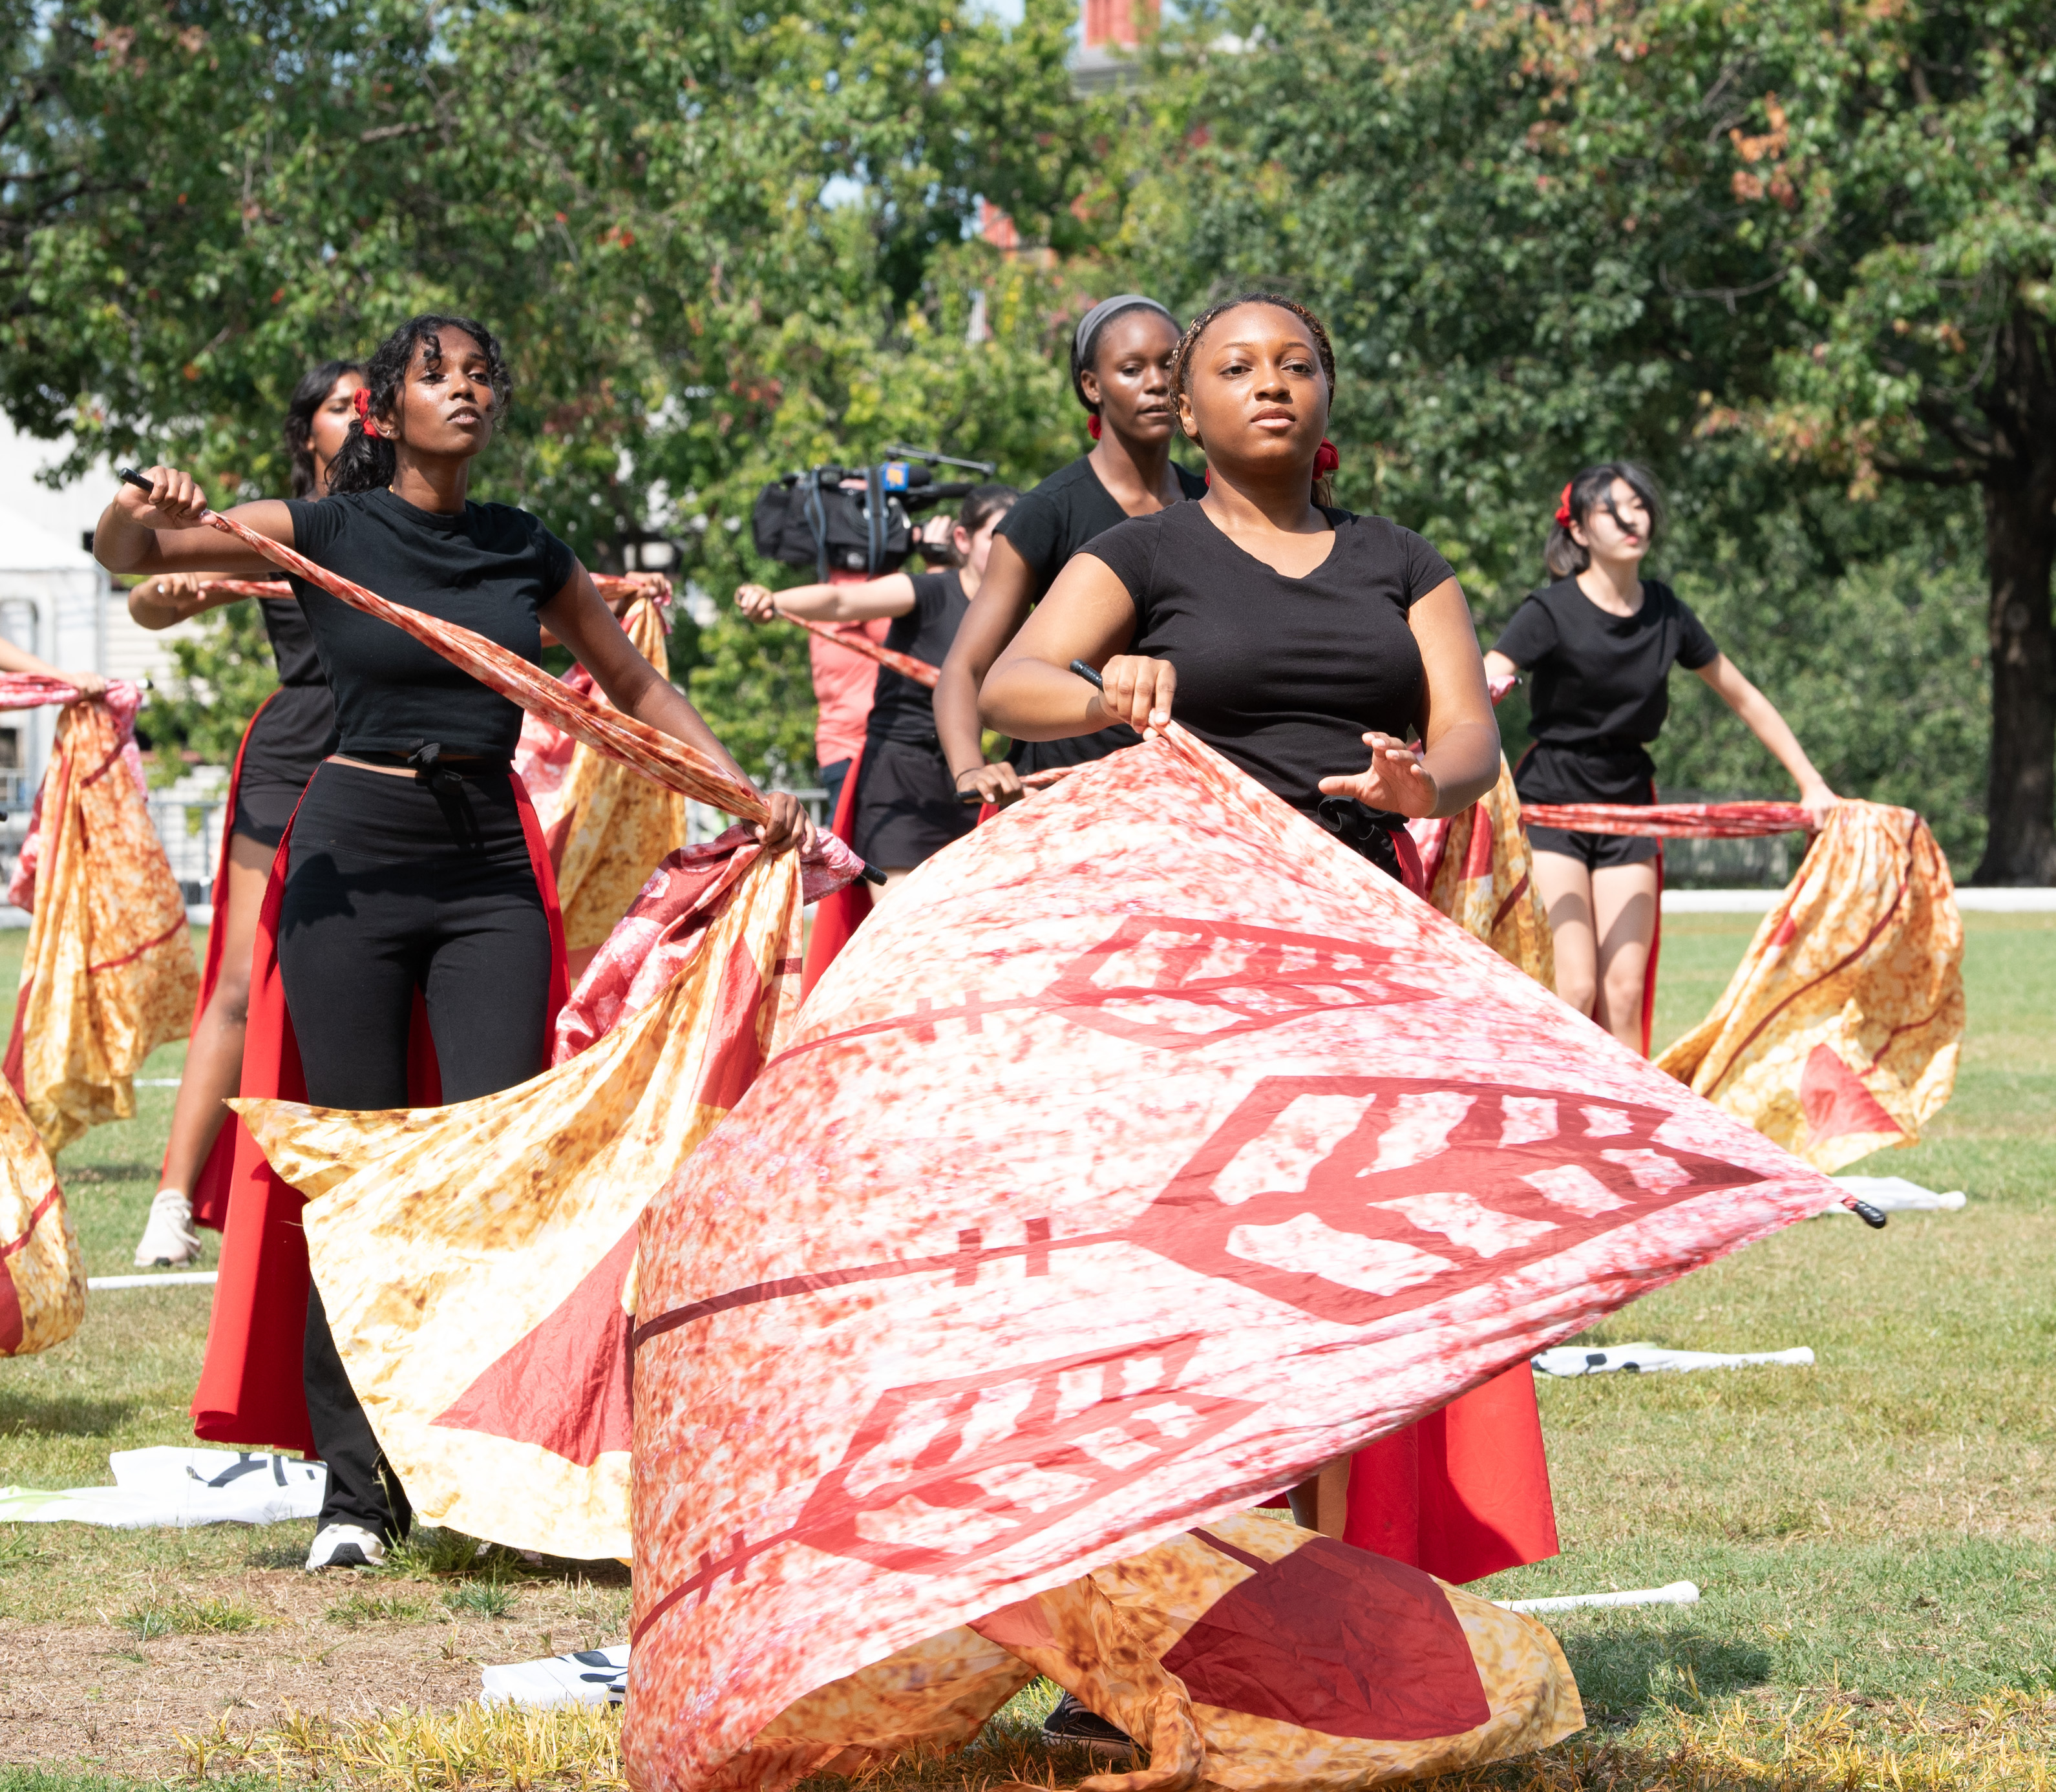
(169, 1239)
(345, 1546)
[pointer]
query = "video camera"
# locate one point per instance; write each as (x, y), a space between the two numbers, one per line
(856, 518)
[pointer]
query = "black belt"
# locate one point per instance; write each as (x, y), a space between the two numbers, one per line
(433, 767)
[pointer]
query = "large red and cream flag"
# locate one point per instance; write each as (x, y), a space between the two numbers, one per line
(1149, 1149)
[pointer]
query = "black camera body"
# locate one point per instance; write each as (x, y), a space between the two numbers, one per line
(854, 519)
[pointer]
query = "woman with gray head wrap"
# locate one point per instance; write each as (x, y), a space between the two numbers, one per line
(1121, 371)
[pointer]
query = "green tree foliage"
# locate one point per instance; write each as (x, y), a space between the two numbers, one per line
(201, 200)
(1785, 254)
(224, 671)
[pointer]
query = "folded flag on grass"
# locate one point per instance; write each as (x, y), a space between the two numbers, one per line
(107, 972)
(1480, 874)
(1151, 1151)
(42, 1276)
(605, 826)
(477, 1261)
(1247, 1654)
(1839, 1033)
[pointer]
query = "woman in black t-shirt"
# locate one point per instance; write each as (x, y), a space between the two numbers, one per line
(1286, 634)
(906, 806)
(1599, 643)
(1120, 366)
(409, 870)
(292, 732)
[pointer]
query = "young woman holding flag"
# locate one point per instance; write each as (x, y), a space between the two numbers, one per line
(414, 867)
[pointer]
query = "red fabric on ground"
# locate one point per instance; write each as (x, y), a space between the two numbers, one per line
(251, 1391)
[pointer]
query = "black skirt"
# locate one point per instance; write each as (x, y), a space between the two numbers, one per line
(907, 805)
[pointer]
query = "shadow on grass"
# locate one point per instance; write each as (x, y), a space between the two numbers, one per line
(23, 1416)
(86, 1174)
(1619, 1671)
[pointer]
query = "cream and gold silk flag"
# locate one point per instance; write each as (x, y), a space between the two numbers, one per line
(1839, 1033)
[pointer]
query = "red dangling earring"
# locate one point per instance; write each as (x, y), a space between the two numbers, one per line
(1092, 426)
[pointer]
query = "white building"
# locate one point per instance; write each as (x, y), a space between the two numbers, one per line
(56, 602)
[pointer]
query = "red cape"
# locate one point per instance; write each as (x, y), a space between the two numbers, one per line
(250, 1390)
(837, 917)
(209, 1193)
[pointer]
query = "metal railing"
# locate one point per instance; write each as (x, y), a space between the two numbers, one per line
(191, 831)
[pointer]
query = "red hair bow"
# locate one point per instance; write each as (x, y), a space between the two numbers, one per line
(1092, 427)
(363, 402)
(1564, 507)
(1325, 458)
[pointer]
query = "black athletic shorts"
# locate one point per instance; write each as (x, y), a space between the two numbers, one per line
(1594, 850)
(906, 806)
(264, 804)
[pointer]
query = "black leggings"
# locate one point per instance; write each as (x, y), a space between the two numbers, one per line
(392, 888)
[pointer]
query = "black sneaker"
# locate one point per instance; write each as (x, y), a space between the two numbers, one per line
(1071, 1725)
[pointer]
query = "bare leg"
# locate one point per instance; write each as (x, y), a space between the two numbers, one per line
(1566, 893)
(214, 1057)
(1624, 913)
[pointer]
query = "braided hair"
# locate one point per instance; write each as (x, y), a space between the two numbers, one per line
(366, 462)
(308, 397)
(1188, 345)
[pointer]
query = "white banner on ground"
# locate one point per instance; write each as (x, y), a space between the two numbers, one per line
(1648, 1358)
(584, 1677)
(1679, 1593)
(175, 1488)
(1894, 1195)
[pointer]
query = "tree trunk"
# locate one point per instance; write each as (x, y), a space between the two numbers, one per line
(2020, 549)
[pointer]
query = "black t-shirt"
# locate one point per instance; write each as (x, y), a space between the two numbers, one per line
(1046, 527)
(903, 710)
(1601, 687)
(489, 567)
(296, 729)
(1282, 676)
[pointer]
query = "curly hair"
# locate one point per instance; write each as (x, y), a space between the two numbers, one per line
(308, 397)
(1592, 490)
(366, 462)
(1188, 345)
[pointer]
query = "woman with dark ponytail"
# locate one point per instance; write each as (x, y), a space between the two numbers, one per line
(1599, 640)
(414, 868)
(1120, 368)
(293, 731)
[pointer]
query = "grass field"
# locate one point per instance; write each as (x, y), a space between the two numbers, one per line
(1876, 1537)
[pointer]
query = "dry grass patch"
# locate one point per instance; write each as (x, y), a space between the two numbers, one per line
(1829, 1741)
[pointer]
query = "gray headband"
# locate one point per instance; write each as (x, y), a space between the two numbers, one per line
(1097, 319)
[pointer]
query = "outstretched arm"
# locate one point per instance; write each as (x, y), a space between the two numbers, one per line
(577, 616)
(20, 660)
(892, 595)
(1772, 729)
(1005, 597)
(172, 597)
(160, 530)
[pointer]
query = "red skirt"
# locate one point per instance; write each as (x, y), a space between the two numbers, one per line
(251, 1391)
